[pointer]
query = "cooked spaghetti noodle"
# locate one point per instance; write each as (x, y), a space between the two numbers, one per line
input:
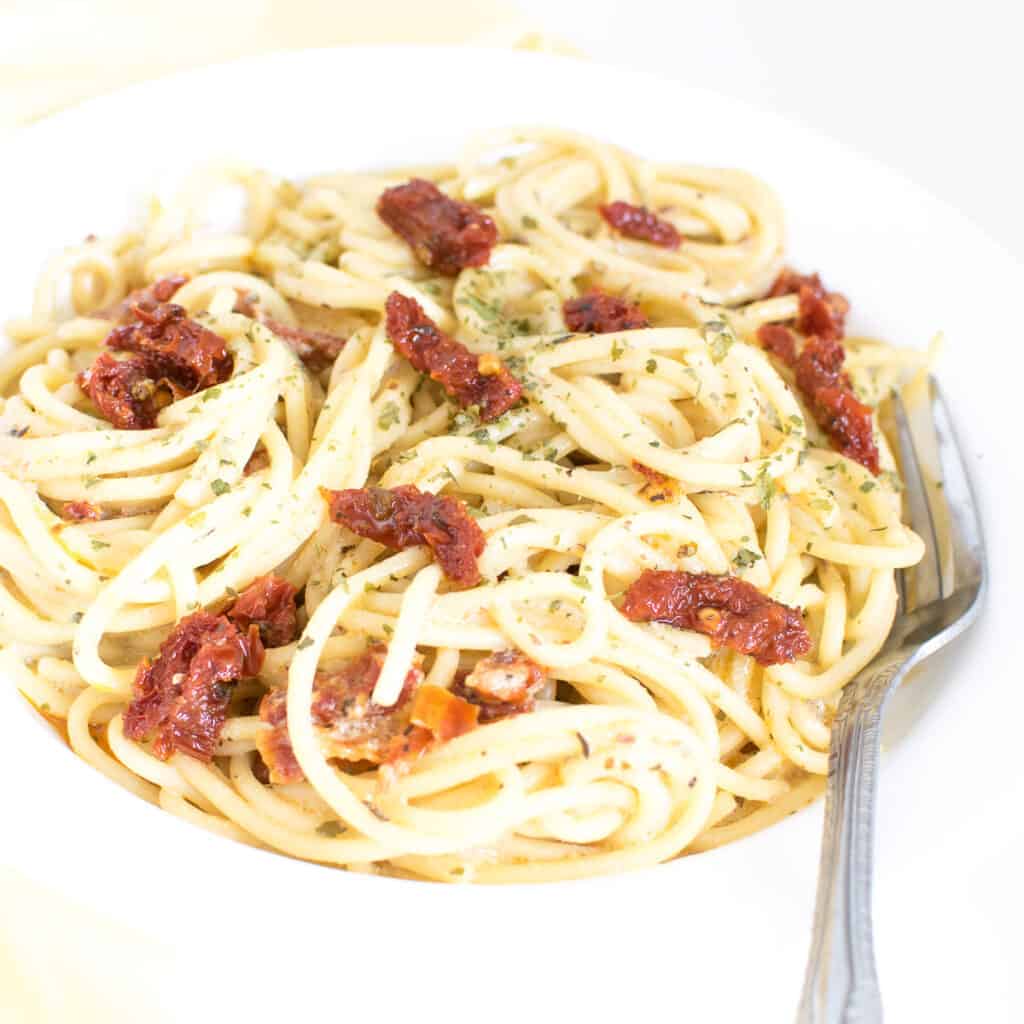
(681, 446)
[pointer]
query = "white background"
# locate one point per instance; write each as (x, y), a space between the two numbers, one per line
(933, 89)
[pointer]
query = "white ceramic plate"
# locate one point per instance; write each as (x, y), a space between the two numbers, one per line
(719, 937)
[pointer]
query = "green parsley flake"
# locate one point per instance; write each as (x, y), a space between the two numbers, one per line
(766, 488)
(219, 487)
(745, 558)
(719, 338)
(485, 310)
(389, 416)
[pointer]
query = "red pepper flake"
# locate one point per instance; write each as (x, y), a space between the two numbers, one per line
(598, 312)
(405, 516)
(449, 362)
(730, 611)
(182, 696)
(659, 488)
(444, 233)
(80, 512)
(268, 603)
(821, 312)
(640, 223)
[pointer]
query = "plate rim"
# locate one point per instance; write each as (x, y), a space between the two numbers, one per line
(308, 878)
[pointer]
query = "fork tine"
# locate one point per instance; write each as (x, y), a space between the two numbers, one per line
(901, 591)
(922, 583)
(966, 538)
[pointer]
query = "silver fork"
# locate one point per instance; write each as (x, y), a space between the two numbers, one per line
(939, 599)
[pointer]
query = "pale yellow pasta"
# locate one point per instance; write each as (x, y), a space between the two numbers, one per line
(645, 742)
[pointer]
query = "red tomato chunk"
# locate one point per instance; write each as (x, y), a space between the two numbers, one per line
(183, 694)
(173, 357)
(730, 611)
(483, 381)
(502, 684)
(640, 223)
(269, 604)
(600, 313)
(821, 312)
(444, 233)
(405, 517)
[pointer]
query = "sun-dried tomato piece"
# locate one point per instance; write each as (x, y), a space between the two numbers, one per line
(837, 410)
(820, 365)
(348, 724)
(174, 357)
(405, 516)
(444, 233)
(730, 611)
(821, 312)
(778, 340)
(483, 381)
(274, 746)
(122, 390)
(316, 349)
(183, 694)
(848, 423)
(640, 223)
(159, 291)
(80, 512)
(502, 684)
(269, 604)
(178, 352)
(598, 312)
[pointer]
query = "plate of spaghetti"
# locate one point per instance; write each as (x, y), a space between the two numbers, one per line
(504, 504)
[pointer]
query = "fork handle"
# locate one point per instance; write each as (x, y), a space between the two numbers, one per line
(841, 985)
